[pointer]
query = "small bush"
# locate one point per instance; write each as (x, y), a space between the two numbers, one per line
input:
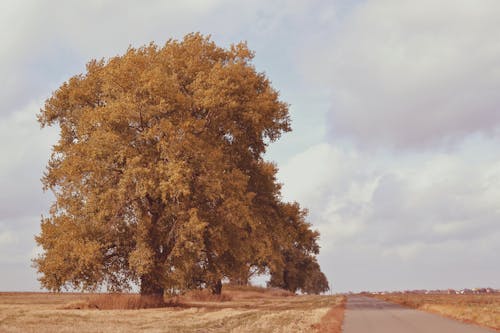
(249, 292)
(270, 291)
(205, 295)
(118, 301)
(126, 301)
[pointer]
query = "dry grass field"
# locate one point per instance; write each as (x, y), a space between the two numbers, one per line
(481, 309)
(238, 310)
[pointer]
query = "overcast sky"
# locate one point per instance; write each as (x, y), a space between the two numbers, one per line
(395, 107)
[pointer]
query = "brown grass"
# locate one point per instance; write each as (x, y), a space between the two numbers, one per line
(118, 302)
(483, 310)
(252, 292)
(247, 310)
(127, 301)
(202, 296)
(332, 321)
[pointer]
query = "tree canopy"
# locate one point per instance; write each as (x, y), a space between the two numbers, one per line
(158, 173)
(298, 268)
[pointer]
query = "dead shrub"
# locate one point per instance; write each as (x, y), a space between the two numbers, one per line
(117, 301)
(205, 295)
(126, 301)
(252, 292)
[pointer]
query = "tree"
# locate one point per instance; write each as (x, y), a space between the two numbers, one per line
(158, 173)
(316, 282)
(298, 268)
(300, 272)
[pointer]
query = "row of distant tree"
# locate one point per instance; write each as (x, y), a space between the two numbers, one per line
(464, 291)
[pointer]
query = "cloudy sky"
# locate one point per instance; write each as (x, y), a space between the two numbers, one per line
(395, 107)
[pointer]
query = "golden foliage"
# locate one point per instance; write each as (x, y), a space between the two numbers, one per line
(158, 173)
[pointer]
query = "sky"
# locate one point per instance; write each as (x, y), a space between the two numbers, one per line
(395, 112)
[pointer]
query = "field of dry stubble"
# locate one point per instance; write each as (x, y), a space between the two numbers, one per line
(481, 309)
(252, 310)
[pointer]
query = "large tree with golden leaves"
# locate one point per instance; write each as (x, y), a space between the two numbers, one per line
(158, 173)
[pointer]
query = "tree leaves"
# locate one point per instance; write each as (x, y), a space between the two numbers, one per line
(158, 173)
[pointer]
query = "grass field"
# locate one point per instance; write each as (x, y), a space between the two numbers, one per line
(481, 309)
(253, 310)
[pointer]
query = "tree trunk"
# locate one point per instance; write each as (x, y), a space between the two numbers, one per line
(151, 282)
(217, 287)
(286, 282)
(150, 285)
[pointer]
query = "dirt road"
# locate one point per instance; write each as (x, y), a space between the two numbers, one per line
(366, 314)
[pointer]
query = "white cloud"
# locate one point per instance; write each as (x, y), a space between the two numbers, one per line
(378, 208)
(7, 238)
(413, 86)
(413, 74)
(17, 239)
(26, 150)
(43, 43)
